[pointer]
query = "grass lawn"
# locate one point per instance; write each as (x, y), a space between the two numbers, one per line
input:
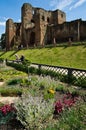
(73, 56)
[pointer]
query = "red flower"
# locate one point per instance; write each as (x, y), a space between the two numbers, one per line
(67, 101)
(7, 108)
(58, 107)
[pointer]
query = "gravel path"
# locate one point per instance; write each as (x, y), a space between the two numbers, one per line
(8, 100)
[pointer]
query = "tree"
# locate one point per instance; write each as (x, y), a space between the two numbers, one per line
(3, 41)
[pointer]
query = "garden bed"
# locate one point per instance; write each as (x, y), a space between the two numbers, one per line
(43, 103)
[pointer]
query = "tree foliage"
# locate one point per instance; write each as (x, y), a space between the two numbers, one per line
(3, 41)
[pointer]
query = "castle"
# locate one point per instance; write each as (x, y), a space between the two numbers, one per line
(39, 27)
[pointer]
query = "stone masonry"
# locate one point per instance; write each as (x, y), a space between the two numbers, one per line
(39, 27)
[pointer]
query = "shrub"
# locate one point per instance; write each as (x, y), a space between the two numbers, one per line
(60, 88)
(74, 119)
(81, 82)
(1, 60)
(17, 66)
(67, 101)
(23, 82)
(10, 91)
(34, 112)
(14, 81)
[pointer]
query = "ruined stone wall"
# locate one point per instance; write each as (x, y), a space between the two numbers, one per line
(44, 20)
(33, 29)
(26, 16)
(9, 33)
(40, 27)
(36, 18)
(76, 30)
(82, 27)
(35, 21)
(58, 17)
(18, 34)
(13, 34)
(61, 17)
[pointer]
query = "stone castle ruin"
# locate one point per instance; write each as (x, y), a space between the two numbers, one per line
(39, 27)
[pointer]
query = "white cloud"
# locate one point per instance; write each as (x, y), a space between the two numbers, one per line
(79, 3)
(5, 18)
(60, 4)
(19, 20)
(2, 23)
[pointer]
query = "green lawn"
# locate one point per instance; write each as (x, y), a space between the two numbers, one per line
(74, 56)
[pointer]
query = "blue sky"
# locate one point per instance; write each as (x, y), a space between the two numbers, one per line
(74, 9)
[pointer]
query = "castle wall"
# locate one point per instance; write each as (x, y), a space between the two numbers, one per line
(76, 30)
(13, 34)
(39, 27)
(58, 17)
(35, 20)
(26, 16)
(18, 33)
(82, 26)
(9, 33)
(44, 20)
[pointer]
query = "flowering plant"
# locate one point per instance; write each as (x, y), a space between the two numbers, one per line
(67, 101)
(51, 91)
(7, 112)
(33, 111)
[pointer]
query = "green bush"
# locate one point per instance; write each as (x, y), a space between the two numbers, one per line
(14, 81)
(18, 66)
(34, 112)
(73, 119)
(48, 95)
(81, 82)
(60, 88)
(1, 60)
(1, 79)
(11, 91)
(26, 62)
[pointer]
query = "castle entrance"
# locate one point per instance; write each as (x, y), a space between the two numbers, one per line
(32, 39)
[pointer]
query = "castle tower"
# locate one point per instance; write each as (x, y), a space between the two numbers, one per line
(26, 16)
(9, 33)
(58, 17)
(42, 20)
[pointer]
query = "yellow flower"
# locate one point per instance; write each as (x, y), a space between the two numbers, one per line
(51, 91)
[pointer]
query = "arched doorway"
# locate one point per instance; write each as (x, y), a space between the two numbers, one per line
(32, 39)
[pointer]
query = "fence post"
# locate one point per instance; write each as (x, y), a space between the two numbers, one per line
(69, 75)
(39, 67)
